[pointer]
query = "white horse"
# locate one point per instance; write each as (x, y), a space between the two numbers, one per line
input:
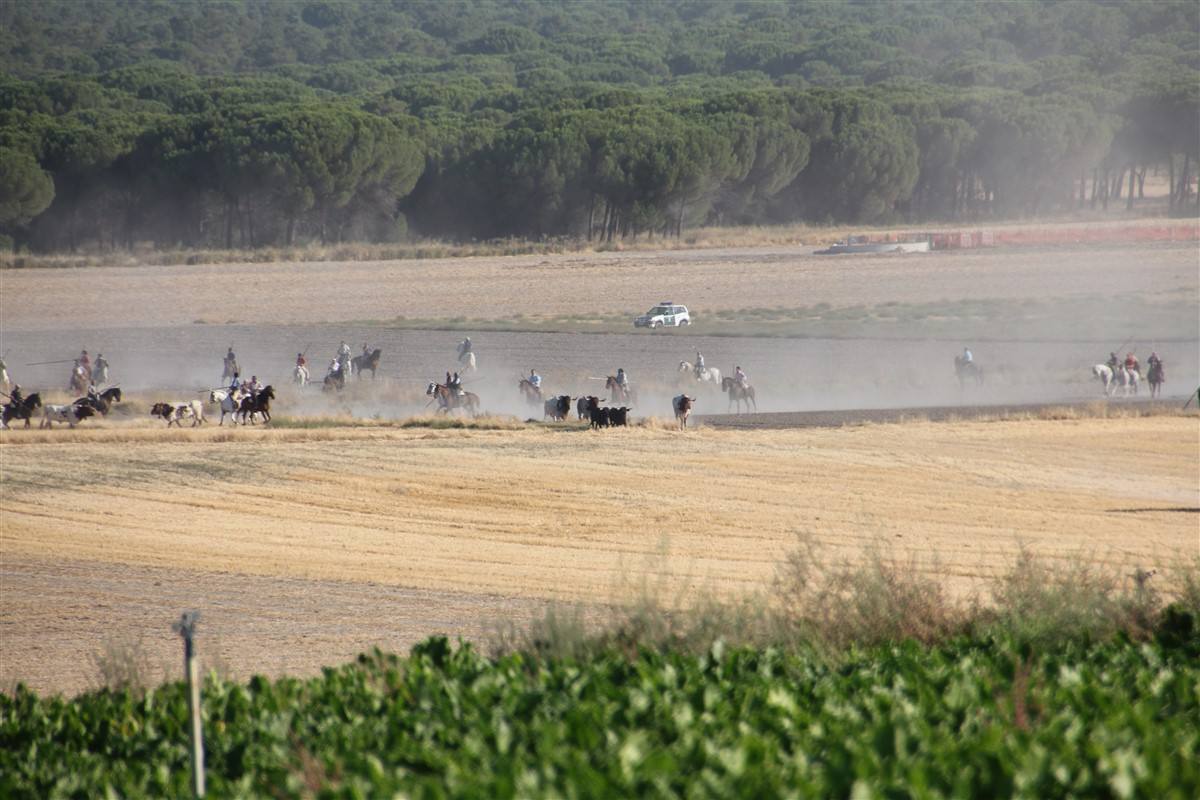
(1104, 374)
(707, 375)
(1128, 380)
(467, 359)
(229, 402)
(4, 379)
(300, 376)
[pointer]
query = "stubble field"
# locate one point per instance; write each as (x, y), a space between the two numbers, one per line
(304, 546)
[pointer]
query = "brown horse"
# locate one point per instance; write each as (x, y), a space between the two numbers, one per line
(739, 394)
(1157, 376)
(365, 362)
(449, 400)
(620, 394)
(258, 404)
(531, 393)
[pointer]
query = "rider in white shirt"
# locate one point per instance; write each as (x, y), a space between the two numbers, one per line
(622, 378)
(967, 357)
(343, 357)
(699, 364)
(740, 377)
(535, 379)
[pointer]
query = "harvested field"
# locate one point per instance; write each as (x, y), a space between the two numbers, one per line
(303, 546)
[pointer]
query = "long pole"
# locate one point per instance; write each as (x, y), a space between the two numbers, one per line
(186, 627)
(43, 363)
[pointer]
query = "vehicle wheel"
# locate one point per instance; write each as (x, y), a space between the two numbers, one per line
(686, 322)
(654, 325)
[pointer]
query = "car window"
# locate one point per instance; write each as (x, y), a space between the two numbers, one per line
(658, 310)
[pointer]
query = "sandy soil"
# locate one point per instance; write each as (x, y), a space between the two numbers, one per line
(705, 280)
(302, 546)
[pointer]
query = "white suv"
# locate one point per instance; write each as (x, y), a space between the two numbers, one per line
(665, 313)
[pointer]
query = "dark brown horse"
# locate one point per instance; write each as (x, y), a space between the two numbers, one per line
(1157, 376)
(102, 402)
(258, 404)
(531, 393)
(739, 394)
(620, 393)
(22, 410)
(448, 400)
(967, 370)
(364, 362)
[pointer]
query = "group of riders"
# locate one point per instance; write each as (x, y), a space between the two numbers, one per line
(1131, 364)
(85, 374)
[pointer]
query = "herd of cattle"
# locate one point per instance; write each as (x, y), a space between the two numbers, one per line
(245, 406)
(589, 408)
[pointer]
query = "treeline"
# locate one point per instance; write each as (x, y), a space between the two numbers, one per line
(259, 123)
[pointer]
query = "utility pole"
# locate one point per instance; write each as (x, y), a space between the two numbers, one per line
(186, 627)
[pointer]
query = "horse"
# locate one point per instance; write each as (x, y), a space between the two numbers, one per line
(1127, 379)
(24, 410)
(230, 403)
(449, 400)
(1157, 377)
(102, 402)
(467, 359)
(334, 381)
(739, 394)
(79, 379)
(707, 375)
(300, 375)
(966, 370)
(257, 404)
(531, 393)
(100, 374)
(5, 381)
(623, 394)
(364, 362)
(1104, 374)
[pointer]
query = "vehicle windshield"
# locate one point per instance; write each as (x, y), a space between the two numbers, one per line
(658, 310)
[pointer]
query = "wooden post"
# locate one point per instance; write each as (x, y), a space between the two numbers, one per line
(186, 627)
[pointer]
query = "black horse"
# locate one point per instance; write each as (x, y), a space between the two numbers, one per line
(334, 381)
(364, 362)
(102, 402)
(22, 410)
(258, 404)
(967, 370)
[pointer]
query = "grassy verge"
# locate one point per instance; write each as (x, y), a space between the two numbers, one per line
(835, 605)
(1035, 698)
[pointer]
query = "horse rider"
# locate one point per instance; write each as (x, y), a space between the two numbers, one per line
(230, 362)
(535, 380)
(622, 378)
(1113, 362)
(1131, 362)
(101, 365)
(456, 385)
(740, 377)
(968, 356)
(343, 357)
(366, 353)
(464, 347)
(253, 387)
(699, 365)
(86, 363)
(14, 397)
(235, 384)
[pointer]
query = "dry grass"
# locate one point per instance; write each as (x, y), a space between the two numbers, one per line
(694, 238)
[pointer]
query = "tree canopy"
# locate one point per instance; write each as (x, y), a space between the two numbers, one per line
(255, 122)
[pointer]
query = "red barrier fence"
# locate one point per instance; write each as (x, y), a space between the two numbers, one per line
(1049, 234)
